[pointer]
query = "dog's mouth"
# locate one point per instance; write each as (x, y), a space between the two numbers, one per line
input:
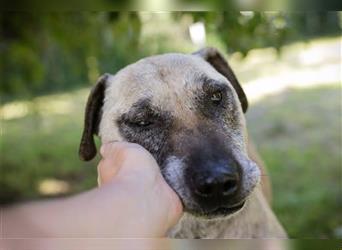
(220, 211)
(223, 211)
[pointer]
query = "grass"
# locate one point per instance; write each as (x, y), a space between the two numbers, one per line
(298, 133)
(43, 146)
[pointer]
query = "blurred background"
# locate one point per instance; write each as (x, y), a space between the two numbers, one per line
(288, 62)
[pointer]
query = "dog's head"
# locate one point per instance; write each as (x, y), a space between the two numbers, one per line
(187, 111)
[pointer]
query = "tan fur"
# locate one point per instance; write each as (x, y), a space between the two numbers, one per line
(143, 79)
(266, 186)
(255, 220)
(155, 77)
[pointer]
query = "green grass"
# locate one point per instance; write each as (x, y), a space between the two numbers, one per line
(40, 146)
(298, 134)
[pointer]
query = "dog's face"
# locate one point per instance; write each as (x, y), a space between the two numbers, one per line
(187, 111)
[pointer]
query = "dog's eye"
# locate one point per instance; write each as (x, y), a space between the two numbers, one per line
(216, 97)
(142, 123)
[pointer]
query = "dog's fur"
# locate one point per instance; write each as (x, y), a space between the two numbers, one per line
(163, 103)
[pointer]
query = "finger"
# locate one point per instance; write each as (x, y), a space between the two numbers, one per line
(114, 155)
(110, 149)
(126, 160)
(106, 169)
(107, 148)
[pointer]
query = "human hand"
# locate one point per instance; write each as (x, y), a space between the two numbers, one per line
(135, 169)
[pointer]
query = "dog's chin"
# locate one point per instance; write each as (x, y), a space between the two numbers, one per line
(218, 213)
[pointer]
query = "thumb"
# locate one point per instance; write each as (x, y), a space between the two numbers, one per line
(107, 167)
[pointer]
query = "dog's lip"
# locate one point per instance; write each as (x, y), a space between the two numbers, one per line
(228, 210)
(221, 211)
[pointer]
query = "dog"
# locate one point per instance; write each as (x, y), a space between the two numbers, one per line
(187, 110)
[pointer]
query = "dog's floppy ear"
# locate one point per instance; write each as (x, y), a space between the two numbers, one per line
(87, 150)
(214, 57)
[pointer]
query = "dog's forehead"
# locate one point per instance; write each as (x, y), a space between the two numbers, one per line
(168, 68)
(164, 79)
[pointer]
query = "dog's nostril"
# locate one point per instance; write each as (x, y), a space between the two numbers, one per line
(230, 186)
(225, 185)
(206, 189)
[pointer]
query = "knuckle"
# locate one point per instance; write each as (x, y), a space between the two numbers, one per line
(125, 150)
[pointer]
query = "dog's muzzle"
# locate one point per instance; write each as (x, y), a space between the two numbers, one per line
(216, 186)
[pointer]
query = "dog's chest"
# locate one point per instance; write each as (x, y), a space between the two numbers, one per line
(194, 228)
(256, 220)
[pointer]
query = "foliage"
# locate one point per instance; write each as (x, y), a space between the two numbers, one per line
(46, 52)
(243, 31)
(49, 52)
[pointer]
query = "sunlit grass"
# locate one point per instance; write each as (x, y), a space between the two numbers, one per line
(53, 187)
(62, 104)
(300, 65)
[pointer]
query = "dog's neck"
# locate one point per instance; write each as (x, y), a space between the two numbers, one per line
(255, 220)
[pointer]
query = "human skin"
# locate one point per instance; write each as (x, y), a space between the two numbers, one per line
(132, 201)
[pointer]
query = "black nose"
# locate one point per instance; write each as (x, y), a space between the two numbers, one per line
(223, 183)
